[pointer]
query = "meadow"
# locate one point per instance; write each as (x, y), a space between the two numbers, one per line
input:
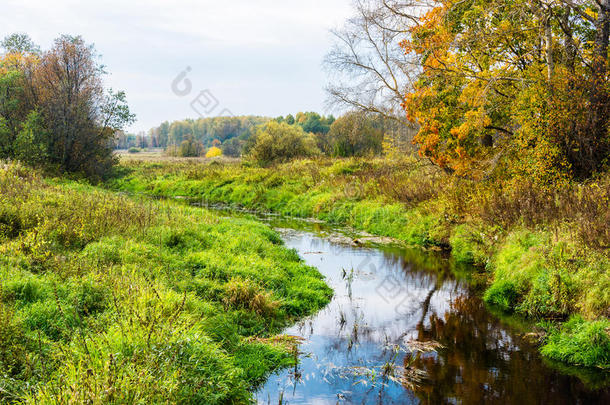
(544, 251)
(113, 299)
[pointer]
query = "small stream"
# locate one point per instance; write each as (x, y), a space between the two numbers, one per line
(405, 328)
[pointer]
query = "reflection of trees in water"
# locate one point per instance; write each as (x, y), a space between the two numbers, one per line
(480, 363)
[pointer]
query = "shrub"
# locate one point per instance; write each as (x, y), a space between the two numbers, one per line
(134, 150)
(277, 142)
(213, 152)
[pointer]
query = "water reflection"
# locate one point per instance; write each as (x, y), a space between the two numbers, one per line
(357, 348)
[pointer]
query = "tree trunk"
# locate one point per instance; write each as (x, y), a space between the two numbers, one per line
(599, 94)
(550, 63)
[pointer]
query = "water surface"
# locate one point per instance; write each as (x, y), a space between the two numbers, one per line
(360, 348)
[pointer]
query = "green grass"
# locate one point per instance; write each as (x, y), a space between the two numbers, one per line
(580, 342)
(546, 251)
(546, 279)
(108, 299)
(300, 189)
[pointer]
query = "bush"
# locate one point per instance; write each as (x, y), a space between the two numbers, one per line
(213, 152)
(278, 142)
(134, 150)
(355, 134)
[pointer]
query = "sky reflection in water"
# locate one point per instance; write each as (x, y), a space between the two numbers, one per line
(390, 298)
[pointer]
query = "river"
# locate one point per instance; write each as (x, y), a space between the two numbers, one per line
(408, 327)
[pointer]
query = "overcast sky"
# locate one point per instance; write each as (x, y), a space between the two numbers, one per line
(257, 57)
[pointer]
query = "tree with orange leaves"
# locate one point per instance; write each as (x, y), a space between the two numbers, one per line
(518, 83)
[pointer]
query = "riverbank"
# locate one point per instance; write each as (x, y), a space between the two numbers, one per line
(129, 301)
(545, 251)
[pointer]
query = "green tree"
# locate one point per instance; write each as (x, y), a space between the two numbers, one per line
(313, 122)
(19, 43)
(79, 113)
(190, 147)
(232, 147)
(32, 143)
(10, 115)
(178, 131)
(164, 134)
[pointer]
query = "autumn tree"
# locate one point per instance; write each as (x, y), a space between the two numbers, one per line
(312, 122)
(16, 99)
(518, 84)
(54, 108)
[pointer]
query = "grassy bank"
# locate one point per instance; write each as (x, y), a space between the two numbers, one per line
(546, 250)
(107, 299)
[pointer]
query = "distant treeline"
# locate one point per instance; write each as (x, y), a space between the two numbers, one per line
(207, 131)
(228, 133)
(353, 134)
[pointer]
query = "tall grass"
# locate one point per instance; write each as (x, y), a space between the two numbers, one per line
(105, 298)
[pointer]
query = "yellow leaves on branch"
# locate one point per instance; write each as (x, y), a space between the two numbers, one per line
(17, 61)
(476, 122)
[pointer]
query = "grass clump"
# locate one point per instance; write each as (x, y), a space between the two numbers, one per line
(503, 294)
(127, 301)
(245, 294)
(470, 244)
(580, 342)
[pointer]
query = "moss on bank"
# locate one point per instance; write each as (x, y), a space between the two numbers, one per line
(138, 302)
(545, 251)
